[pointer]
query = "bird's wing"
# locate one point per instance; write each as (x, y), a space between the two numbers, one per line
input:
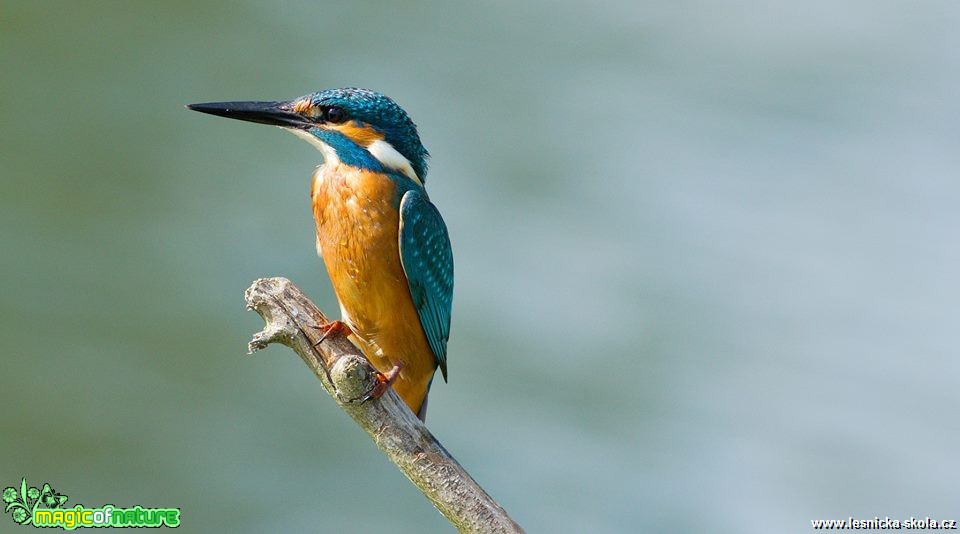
(428, 263)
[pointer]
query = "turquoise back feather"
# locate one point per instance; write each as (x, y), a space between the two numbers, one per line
(427, 260)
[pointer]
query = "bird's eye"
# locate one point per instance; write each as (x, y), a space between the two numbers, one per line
(334, 114)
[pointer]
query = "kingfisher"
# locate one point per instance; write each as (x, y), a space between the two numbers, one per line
(384, 243)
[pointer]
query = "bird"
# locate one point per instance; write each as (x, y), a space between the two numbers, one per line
(385, 245)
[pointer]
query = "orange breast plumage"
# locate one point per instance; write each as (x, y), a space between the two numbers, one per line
(358, 225)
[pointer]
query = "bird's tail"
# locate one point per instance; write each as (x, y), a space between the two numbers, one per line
(422, 412)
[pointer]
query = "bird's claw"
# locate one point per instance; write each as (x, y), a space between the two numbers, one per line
(383, 383)
(332, 328)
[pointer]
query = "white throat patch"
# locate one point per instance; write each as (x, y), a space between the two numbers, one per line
(329, 154)
(379, 149)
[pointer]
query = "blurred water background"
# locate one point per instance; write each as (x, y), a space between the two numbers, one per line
(706, 259)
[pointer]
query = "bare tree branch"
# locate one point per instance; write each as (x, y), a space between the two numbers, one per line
(291, 319)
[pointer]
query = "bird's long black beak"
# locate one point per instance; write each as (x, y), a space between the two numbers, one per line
(273, 113)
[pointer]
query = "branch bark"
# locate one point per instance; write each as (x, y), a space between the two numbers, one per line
(292, 320)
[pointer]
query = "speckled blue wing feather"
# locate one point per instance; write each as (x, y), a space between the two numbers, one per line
(428, 263)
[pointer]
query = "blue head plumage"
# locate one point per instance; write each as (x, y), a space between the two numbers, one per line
(374, 110)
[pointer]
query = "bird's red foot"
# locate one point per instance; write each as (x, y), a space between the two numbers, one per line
(384, 381)
(332, 328)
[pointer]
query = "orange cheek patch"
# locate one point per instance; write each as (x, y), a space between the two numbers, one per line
(360, 133)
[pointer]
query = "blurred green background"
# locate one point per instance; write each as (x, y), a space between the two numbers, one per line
(706, 259)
